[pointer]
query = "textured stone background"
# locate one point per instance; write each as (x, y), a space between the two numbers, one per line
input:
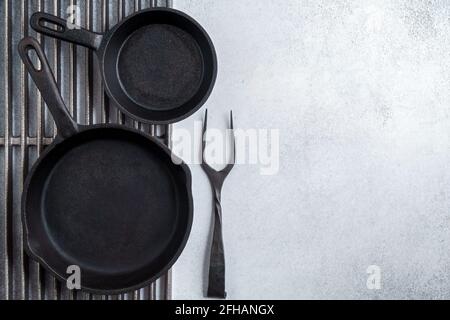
(360, 91)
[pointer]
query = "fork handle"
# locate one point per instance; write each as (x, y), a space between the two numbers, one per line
(216, 277)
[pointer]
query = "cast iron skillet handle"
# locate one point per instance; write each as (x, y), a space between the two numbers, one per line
(216, 277)
(60, 30)
(45, 81)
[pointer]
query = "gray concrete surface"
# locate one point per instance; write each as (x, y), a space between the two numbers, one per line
(359, 91)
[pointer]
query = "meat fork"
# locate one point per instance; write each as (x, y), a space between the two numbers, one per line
(216, 276)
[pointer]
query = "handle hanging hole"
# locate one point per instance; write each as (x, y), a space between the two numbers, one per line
(51, 25)
(33, 58)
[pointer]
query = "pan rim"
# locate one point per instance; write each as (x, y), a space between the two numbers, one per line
(109, 35)
(41, 260)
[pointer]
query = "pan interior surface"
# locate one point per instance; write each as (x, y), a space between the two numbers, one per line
(160, 66)
(109, 205)
(111, 202)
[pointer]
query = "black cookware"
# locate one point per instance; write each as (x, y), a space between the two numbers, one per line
(104, 197)
(159, 65)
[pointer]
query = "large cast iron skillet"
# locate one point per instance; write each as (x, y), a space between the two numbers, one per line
(106, 198)
(159, 65)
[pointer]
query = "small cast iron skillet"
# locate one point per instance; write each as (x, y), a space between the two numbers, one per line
(106, 198)
(158, 65)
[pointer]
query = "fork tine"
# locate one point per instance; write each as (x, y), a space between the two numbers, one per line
(205, 123)
(208, 169)
(233, 139)
(230, 164)
(231, 119)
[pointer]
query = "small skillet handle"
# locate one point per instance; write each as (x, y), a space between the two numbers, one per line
(79, 36)
(216, 277)
(45, 81)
